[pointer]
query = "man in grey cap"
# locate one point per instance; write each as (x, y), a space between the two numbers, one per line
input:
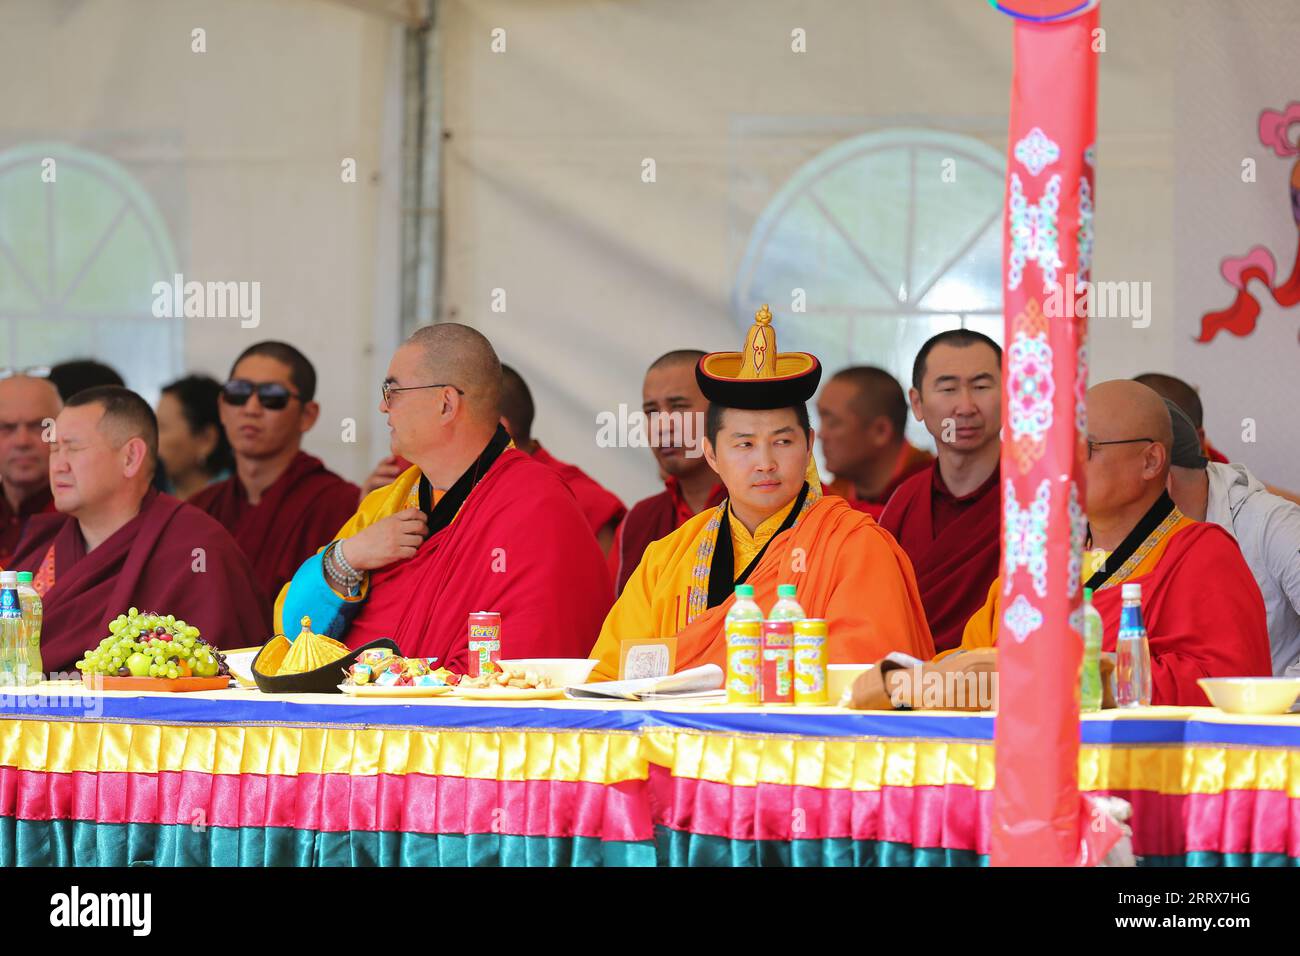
(1267, 529)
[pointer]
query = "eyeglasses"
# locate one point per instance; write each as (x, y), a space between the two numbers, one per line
(388, 388)
(271, 395)
(1121, 441)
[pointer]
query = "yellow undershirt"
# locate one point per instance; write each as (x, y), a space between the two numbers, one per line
(745, 546)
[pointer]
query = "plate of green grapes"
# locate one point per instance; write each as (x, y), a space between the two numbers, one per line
(149, 651)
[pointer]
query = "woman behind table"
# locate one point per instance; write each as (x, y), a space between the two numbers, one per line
(191, 442)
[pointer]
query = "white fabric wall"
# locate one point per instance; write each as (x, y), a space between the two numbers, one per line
(542, 186)
(254, 130)
(603, 272)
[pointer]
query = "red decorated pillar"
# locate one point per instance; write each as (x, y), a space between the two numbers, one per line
(1047, 255)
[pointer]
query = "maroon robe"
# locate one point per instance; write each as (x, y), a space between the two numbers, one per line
(956, 563)
(149, 563)
(14, 522)
(298, 514)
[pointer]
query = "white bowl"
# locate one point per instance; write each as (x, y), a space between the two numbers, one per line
(840, 677)
(562, 671)
(1252, 695)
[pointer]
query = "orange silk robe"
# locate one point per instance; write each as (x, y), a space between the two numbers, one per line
(847, 568)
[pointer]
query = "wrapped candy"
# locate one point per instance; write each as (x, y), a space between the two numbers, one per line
(360, 673)
(374, 657)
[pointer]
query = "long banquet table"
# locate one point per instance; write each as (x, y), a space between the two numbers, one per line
(240, 778)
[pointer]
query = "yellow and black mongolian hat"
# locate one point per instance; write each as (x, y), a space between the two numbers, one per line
(759, 377)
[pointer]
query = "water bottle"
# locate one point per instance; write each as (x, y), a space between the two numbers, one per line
(1132, 653)
(744, 608)
(786, 607)
(33, 613)
(1090, 670)
(12, 647)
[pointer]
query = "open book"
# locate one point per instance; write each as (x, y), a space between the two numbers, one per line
(705, 681)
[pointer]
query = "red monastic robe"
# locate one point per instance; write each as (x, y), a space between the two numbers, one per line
(955, 557)
(297, 515)
(518, 545)
(171, 558)
(599, 506)
(1201, 607)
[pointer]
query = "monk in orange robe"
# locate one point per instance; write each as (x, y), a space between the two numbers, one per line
(863, 412)
(776, 527)
(1202, 609)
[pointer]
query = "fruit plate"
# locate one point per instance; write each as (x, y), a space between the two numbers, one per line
(166, 685)
(509, 693)
(392, 690)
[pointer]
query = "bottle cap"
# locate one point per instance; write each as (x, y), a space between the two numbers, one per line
(1087, 595)
(785, 590)
(744, 590)
(24, 577)
(9, 578)
(1131, 592)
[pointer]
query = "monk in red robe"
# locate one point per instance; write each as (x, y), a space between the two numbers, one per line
(862, 413)
(473, 525)
(602, 508)
(281, 504)
(117, 543)
(674, 405)
(1202, 609)
(948, 516)
(28, 407)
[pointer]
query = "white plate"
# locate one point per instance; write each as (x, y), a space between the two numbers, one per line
(374, 690)
(509, 693)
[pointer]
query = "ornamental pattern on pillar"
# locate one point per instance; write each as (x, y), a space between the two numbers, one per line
(1078, 535)
(1036, 152)
(1034, 233)
(1084, 236)
(1030, 387)
(1025, 536)
(1022, 618)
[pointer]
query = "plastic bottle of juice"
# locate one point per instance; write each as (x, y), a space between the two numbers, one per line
(786, 607)
(11, 631)
(33, 614)
(744, 643)
(1132, 652)
(1090, 670)
(744, 608)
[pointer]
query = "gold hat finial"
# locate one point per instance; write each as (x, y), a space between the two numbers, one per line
(759, 355)
(305, 622)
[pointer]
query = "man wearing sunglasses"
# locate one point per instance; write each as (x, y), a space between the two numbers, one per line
(27, 404)
(1202, 609)
(473, 525)
(281, 504)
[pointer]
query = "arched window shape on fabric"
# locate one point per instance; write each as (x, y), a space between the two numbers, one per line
(893, 236)
(79, 257)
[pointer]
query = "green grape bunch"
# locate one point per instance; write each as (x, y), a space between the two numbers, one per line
(147, 644)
